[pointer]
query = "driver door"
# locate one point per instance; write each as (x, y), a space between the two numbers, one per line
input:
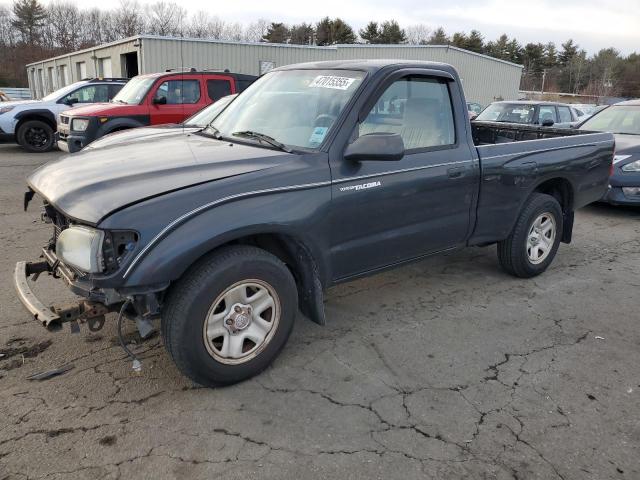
(181, 97)
(387, 212)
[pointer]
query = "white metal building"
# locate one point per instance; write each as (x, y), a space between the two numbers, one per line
(484, 78)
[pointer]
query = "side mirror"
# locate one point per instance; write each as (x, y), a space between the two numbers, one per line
(159, 100)
(71, 101)
(380, 147)
(547, 122)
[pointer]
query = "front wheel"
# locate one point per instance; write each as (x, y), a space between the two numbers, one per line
(230, 315)
(535, 239)
(35, 136)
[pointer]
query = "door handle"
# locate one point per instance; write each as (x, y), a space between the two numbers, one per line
(456, 172)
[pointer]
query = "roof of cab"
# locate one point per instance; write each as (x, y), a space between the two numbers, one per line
(371, 66)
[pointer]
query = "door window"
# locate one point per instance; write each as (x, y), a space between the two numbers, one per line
(547, 112)
(89, 94)
(179, 91)
(216, 89)
(417, 108)
(564, 114)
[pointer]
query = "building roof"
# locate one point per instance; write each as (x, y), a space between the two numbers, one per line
(277, 45)
(633, 103)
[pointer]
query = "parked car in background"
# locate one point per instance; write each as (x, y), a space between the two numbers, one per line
(474, 109)
(192, 124)
(152, 99)
(4, 97)
(312, 177)
(586, 110)
(32, 123)
(546, 114)
(623, 120)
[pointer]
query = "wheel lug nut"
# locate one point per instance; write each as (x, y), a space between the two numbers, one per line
(237, 309)
(228, 321)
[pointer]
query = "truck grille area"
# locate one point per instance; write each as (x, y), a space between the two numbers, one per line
(59, 221)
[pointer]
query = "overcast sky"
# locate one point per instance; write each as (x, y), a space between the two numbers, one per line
(593, 24)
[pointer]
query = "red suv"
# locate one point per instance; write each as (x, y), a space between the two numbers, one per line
(152, 99)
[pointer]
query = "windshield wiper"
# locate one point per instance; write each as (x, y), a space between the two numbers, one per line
(211, 131)
(264, 138)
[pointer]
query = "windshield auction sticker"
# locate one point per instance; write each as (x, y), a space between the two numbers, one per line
(329, 81)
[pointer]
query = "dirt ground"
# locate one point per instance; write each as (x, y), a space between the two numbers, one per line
(445, 369)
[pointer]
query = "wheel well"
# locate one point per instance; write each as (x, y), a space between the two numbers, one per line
(300, 262)
(561, 190)
(42, 118)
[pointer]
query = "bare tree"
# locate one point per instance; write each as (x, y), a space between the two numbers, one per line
(128, 20)
(418, 34)
(64, 26)
(256, 31)
(7, 32)
(165, 18)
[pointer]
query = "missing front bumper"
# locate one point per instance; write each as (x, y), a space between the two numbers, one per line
(43, 314)
(52, 317)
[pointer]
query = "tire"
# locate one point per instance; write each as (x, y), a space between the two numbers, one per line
(517, 253)
(209, 290)
(35, 136)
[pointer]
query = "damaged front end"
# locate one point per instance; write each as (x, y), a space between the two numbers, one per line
(81, 257)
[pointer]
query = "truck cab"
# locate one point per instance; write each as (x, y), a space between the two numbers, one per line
(152, 99)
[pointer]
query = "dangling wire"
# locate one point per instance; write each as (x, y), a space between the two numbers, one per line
(137, 364)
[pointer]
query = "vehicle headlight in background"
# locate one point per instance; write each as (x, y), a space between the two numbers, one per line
(79, 124)
(6, 109)
(81, 247)
(632, 167)
(631, 191)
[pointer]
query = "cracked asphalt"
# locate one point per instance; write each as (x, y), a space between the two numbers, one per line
(444, 369)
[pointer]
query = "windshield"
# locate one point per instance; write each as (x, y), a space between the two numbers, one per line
(295, 107)
(616, 119)
(134, 91)
(508, 112)
(62, 92)
(205, 116)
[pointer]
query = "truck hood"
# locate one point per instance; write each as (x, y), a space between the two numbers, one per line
(135, 135)
(90, 184)
(105, 109)
(15, 103)
(627, 144)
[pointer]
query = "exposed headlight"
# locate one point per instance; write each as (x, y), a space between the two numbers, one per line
(632, 167)
(6, 109)
(79, 124)
(81, 247)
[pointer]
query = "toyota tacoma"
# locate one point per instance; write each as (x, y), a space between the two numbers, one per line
(316, 174)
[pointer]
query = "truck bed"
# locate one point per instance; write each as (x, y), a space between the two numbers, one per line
(514, 159)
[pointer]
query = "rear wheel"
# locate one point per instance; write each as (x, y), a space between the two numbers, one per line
(35, 136)
(229, 316)
(535, 239)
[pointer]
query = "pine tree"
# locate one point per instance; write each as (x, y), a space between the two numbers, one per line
(391, 33)
(439, 37)
(370, 33)
(277, 33)
(29, 19)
